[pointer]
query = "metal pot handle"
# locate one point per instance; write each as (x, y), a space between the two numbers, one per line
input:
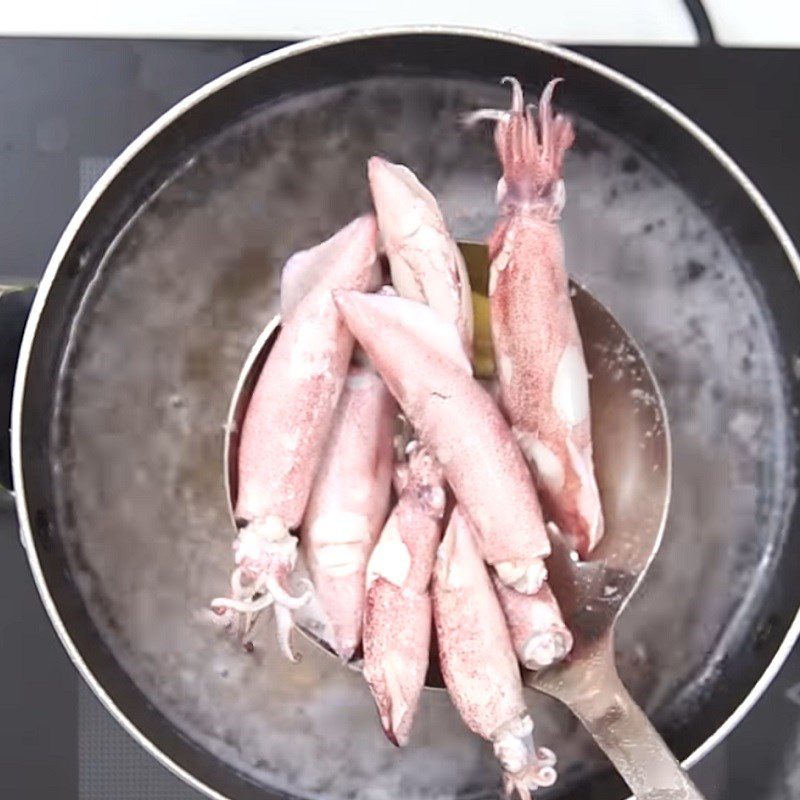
(15, 303)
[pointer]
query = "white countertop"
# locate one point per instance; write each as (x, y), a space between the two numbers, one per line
(736, 22)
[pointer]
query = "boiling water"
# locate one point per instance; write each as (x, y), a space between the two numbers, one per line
(157, 352)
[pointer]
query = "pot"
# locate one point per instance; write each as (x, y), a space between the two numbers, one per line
(169, 270)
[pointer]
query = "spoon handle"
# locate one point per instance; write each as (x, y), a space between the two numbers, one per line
(635, 748)
(624, 732)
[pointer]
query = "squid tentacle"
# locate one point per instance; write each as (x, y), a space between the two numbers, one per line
(263, 563)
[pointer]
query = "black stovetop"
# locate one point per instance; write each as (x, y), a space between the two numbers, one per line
(66, 108)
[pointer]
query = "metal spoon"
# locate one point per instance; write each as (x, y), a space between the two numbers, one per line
(633, 464)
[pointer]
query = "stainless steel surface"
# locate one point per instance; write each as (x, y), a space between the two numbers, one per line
(591, 688)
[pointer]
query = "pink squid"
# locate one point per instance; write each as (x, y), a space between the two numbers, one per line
(478, 662)
(541, 368)
(287, 423)
(425, 261)
(349, 504)
(397, 622)
(422, 360)
(427, 266)
(538, 632)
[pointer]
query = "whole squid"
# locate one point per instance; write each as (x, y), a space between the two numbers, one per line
(349, 503)
(426, 265)
(421, 358)
(544, 384)
(287, 423)
(478, 662)
(397, 621)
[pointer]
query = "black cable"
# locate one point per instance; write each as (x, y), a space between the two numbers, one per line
(702, 23)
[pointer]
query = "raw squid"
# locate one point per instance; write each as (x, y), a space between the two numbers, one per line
(421, 358)
(478, 661)
(425, 261)
(537, 628)
(397, 622)
(541, 368)
(427, 265)
(287, 424)
(349, 503)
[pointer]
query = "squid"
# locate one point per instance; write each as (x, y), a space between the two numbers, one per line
(349, 504)
(538, 632)
(421, 358)
(478, 662)
(397, 621)
(424, 259)
(287, 424)
(544, 383)
(426, 265)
